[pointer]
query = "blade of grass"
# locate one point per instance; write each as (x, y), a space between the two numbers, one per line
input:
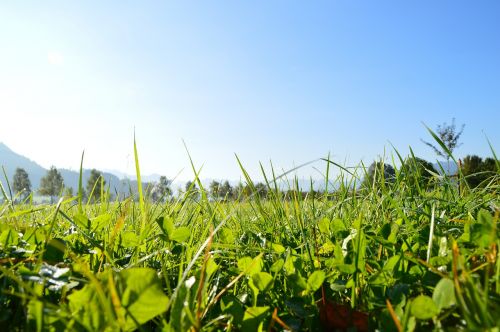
(497, 162)
(431, 235)
(80, 185)
(8, 184)
(142, 205)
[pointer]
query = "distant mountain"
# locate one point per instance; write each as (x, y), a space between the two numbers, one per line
(122, 175)
(11, 160)
(449, 168)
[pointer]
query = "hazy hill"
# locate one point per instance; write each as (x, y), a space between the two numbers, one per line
(449, 168)
(11, 160)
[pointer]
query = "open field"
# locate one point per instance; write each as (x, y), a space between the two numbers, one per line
(345, 176)
(396, 256)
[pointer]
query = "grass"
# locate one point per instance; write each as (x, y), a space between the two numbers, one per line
(396, 256)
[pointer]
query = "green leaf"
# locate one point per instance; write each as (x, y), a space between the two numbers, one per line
(180, 312)
(277, 266)
(315, 280)
(250, 266)
(394, 233)
(423, 307)
(100, 222)
(278, 248)
(381, 278)
(226, 235)
(327, 248)
(54, 251)
(139, 292)
(9, 237)
(360, 250)
(81, 221)
(143, 297)
(180, 234)
(324, 226)
(483, 231)
(337, 226)
(289, 266)
(212, 266)
(166, 225)
(444, 294)
(85, 306)
(392, 264)
(346, 268)
(263, 281)
(34, 236)
(298, 281)
(253, 319)
(129, 239)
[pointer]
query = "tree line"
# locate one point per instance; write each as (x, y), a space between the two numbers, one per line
(52, 185)
(416, 171)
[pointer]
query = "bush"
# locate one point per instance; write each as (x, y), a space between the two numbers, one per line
(477, 171)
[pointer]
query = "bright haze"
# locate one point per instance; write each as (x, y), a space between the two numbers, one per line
(286, 81)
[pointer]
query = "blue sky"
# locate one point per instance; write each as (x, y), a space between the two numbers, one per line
(287, 81)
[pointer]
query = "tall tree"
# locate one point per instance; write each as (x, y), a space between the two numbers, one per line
(161, 190)
(226, 191)
(191, 189)
(449, 135)
(214, 188)
(52, 183)
(96, 183)
(188, 186)
(241, 191)
(261, 189)
(21, 183)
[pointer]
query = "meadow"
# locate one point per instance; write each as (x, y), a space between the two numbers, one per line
(415, 253)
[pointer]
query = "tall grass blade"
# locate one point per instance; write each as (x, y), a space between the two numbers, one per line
(142, 205)
(431, 234)
(441, 144)
(497, 162)
(80, 185)
(8, 184)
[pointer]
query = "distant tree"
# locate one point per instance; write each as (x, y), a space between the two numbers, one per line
(241, 191)
(477, 171)
(379, 172)
(261, 189)
(192, 189)
(21, 183)
(51, 184)
(95, 183)
(188, 186)
(68, 191)
(450, 136)
(417, 170)
(161, 190)
(226, 191)
(214, 189)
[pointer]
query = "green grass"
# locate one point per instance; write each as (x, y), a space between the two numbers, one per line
(366, 258)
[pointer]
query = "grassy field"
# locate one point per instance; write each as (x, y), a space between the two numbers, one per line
(397, 256)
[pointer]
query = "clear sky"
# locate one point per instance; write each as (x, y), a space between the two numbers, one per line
(287, 81)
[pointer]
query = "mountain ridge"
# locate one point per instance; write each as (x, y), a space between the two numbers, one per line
(10, 160)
